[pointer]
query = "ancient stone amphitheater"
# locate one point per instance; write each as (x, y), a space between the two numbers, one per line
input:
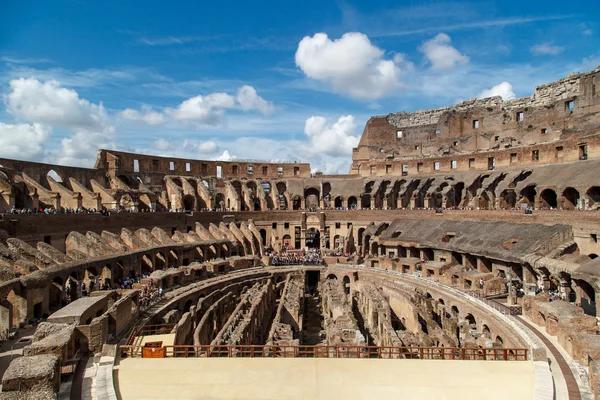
(457, 259)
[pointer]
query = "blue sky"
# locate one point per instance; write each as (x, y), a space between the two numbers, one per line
(264, 80)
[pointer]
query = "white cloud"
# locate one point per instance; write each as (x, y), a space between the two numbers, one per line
(49, 104)
(504, 90)
(187, 148)
(147, 115)
(350, 65)
(248, 99)
(210, 109)
(335, 140)
(440, 53)
(225, 157)
(546, 49)
(585, 29)
(23, 141)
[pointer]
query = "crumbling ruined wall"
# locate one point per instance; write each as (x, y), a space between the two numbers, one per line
(376, 314)
(287, 323)
(339, 322)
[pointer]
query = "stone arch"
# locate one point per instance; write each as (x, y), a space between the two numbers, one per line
(263, 237)
(485, 331)
(528, 194)
(352, 203)
(56, 295)
(338, 202)
(346, 282)
(219, 201)
(313, 239)
(286, 241)
(499, 341)
(548, 199)
(296, 203)
(571, 198)
(587, 297)
(189, 202)
(54, 175)
(332, 277)
(594, 194)
(365, 201)
(510, 198)
(470, 319)
(361, 231)
(455, 311)
(311, 198)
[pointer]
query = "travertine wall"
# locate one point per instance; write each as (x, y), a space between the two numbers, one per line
(556, 121)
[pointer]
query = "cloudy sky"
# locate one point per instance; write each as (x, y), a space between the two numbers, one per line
(270, 80)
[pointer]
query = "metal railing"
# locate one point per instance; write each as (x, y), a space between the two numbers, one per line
(496, 305)
(323, 351)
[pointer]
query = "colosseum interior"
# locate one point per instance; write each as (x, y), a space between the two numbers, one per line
(457, 259)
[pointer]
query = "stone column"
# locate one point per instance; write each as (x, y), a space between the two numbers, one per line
(78, 200)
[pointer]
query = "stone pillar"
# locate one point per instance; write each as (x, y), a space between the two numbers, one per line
(528, 277)
(565, 290)
(55, 200)
(544, 282)
(35, 200)
(78, 200)
(344, 203)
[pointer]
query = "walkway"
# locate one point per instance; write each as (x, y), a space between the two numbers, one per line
(572, 387)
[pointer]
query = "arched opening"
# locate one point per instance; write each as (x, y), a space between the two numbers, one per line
(548, 199)
(346, 281)
(365, 201)
(593, 255)
(56, 296)
(266, 187)
(338, 203)
(485, 332)
(55, 176)
(375, 249)
(510, 198)
(528, 194)
(313, 238)
(91, 281)
(263, 237)
(219, 201)
(499, 341)
(454, 311)
(187, 306)
(594, 194)
(189, 202)
(587, 299)
(336, 241)
(332, 277)
(360, 236)
(296, 203)
(470, 319)
(286, 242)
(352, 203)
(281, 189)
(311, 198)
(571, 196)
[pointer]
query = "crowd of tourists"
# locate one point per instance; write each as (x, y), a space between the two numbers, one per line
(288, 257)
(150, 294)
(68, 210)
